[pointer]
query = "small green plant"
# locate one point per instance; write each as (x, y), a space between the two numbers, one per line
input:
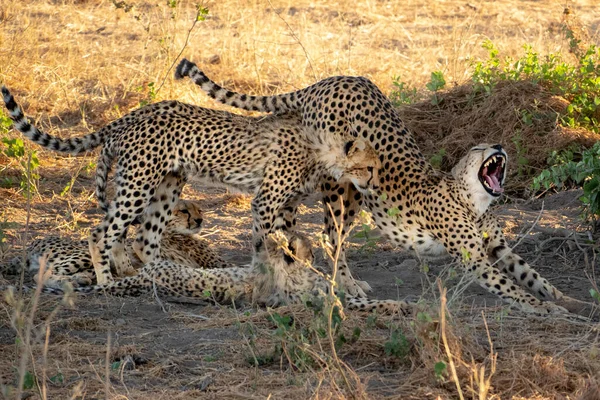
(365, 231)
(402, 94)
(439, 369)
(90, 167)
(293, 341)
(595, 295)
(397, 345)
(26, 161)
(578, 83)
(437, 158)
(115, 365)
(201, 12)
(565, 170)
(436, 83)
(57, 379)
(151, 93)
(522, 161)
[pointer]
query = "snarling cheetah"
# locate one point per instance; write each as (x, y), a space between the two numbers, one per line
(272, 158)
(280, 274)
(414, 206)
(67, 260)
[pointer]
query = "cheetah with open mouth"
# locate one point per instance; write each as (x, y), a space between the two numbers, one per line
(414, 206)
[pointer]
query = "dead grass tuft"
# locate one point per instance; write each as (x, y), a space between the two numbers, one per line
(464, 119)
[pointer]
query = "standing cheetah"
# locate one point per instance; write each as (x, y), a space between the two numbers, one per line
(414, 206)
(273, 158)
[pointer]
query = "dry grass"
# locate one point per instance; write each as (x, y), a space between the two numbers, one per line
(76, 64)
(464, 119)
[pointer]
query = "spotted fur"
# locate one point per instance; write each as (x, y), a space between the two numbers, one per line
(158, 147)
(279, 274)
(67, 260)
(414, 206)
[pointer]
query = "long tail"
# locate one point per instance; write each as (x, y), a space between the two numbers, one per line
(75, 145)
(103, 168)
(280, 103)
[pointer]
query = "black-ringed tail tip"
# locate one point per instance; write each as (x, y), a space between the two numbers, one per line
(183, 68)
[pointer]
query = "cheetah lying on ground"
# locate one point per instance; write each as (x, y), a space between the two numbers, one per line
(279, 274)
(414, 206)
(70, 261)
(272, 158)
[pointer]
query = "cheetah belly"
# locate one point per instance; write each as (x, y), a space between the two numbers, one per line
(235, 179)
(419, 241)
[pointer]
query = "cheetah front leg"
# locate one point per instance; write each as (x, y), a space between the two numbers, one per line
(471, 255)
(286, 219)
(514, 265)
(269, 206)
(333, 194)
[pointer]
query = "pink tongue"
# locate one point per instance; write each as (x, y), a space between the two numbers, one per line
(492, 180)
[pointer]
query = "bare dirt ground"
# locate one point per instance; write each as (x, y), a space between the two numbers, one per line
(75, 65)
(159, 349)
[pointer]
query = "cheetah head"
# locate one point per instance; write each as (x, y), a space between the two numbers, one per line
(280, 268)
(481, 174)
(360, 166)
(187, 217)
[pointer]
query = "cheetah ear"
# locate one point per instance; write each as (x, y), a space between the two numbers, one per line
(348, 146)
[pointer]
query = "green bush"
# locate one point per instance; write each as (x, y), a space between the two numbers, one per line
(565, 170)
(578, 82)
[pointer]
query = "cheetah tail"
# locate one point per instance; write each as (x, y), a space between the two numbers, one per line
(72, 145)
(278, 104)
(105, 161)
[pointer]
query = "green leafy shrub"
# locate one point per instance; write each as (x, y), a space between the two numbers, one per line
(578, 82)
(565, 170)
(25, 161)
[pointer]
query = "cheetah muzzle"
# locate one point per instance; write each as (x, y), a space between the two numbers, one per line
(492, 173)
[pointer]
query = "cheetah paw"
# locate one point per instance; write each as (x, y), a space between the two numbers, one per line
(544, 308)
(551, 293)
(356, 288)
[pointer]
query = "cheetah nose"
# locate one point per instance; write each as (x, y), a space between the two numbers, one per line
(497, 147)
(198, 221)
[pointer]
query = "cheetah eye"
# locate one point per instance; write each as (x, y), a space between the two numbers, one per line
(186, 212)
(370, 169)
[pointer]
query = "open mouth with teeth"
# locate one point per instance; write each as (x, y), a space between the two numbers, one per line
(491, 174)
